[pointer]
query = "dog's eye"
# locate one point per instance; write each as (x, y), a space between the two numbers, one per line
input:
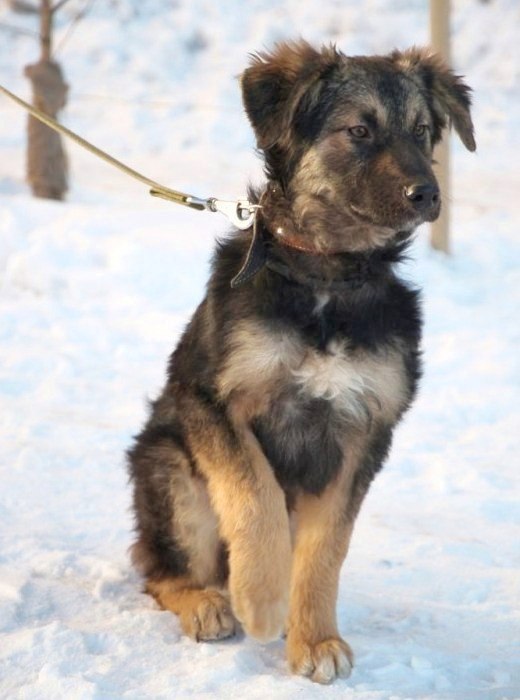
(359, 131)
(421, 130)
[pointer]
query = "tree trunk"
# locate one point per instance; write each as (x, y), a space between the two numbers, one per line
(46, 159)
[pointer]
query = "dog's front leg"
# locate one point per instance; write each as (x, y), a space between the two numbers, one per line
(254, 523)
(314, 647)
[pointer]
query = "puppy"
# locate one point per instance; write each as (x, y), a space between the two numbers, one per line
(285, 388)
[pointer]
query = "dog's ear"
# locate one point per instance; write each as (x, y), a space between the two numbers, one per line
(450, 95)
(275, 82)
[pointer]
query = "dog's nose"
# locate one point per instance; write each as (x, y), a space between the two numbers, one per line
(423, 196)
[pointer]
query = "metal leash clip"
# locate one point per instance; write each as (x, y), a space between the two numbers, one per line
(240, 212)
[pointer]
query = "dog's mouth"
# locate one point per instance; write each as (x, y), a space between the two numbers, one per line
(408, 220)
(361, 216)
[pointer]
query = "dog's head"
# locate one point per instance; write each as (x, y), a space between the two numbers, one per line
(350, 139)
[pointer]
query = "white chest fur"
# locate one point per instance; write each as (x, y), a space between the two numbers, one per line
(263, 361)
(354, 381)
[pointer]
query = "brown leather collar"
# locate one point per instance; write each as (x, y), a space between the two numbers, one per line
(294, 241)
(277, 219)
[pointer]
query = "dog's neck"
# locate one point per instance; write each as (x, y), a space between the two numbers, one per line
(282, 247)
(278, 220)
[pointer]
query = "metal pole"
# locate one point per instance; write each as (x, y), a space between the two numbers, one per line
(440, 42)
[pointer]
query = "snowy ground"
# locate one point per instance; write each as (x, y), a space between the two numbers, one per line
(93, 294)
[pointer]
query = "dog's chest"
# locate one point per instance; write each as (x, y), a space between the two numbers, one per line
(279, 367)
(354, 383)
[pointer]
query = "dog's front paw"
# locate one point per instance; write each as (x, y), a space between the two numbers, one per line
(321, 661)
(259, 588)
(262, 613)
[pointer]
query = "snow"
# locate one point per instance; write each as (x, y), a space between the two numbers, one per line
(94, 293)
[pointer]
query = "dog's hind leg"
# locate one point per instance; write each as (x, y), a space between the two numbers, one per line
(204, 613)
(186, 499)
(179, 550)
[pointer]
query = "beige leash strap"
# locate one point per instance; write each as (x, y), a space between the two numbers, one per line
(241, 212)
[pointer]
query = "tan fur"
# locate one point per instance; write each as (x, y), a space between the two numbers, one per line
(310, 183)
(314, 647)
(386, 163)
(204, 614)
(196, 526)
(240, 494)
(255, 525)
(257, 356)
(316, 206)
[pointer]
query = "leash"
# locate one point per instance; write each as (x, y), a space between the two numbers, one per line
(241, 213)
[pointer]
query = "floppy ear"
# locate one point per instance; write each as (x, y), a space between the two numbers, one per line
(274, 84)
(450, 95)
